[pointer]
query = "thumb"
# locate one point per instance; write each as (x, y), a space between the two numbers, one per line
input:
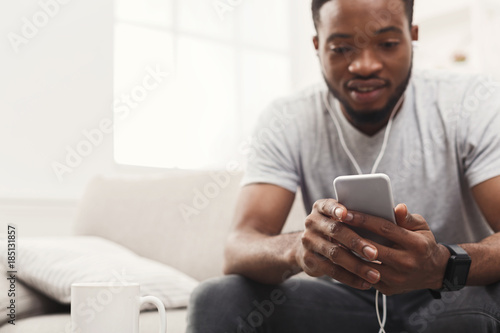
(409, 221)
(401, 213)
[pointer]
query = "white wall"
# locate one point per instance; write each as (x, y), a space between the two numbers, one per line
(54, 84)
(468, 27)
(306, 68)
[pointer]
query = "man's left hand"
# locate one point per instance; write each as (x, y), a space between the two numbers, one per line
(415, 260)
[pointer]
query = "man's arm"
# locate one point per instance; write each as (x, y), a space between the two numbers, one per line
(485, 255)
(255, 248)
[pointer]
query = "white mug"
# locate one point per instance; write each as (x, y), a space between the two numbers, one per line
(109, 307)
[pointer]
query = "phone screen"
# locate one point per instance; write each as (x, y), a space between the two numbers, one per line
(369, 194)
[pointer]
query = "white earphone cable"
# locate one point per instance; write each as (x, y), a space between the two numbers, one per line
(341, 134)
(374, 169)
(381, 323)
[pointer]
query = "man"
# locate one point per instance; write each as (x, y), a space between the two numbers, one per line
(442, 155)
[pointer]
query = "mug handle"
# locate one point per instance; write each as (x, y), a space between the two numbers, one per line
(161, 310)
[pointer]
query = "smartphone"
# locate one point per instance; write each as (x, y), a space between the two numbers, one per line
(369, 194)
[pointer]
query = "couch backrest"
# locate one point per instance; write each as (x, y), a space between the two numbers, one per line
(179, 219)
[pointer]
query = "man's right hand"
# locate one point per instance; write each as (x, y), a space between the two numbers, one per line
(326, 244)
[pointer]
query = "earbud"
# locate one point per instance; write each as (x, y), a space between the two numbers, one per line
(414, 43)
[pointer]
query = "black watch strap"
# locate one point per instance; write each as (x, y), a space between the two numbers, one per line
(457, 270)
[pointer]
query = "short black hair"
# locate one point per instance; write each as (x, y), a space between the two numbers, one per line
(317, 4)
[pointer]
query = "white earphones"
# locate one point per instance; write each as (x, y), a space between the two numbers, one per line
(381, 321)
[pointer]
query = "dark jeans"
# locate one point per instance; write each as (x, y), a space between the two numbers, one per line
(234, 304)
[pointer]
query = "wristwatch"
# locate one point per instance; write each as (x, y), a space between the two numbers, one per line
(457, 270)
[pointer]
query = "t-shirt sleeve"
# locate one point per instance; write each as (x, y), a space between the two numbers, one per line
(272, 154)
(480, 131)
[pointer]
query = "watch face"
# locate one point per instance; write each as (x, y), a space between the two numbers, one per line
(461, 272)
(457, 269)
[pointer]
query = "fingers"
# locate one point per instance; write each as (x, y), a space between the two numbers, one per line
(317, 265)
(328, 244)
(331, 208)
(382, 227)
(338, 255)
(341, 233)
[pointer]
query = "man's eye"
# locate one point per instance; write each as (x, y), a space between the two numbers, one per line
(389, 45)
(341, 49)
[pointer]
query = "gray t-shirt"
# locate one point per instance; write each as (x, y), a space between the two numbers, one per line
(444, 140)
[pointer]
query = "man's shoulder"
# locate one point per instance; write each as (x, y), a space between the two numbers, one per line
(300, 107)
(455, 96)
(445, 80)
(442, 75)
(308, 96)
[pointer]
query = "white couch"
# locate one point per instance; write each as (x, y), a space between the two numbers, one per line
(180, 219)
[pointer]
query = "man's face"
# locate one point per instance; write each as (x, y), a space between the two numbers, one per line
(365, 50)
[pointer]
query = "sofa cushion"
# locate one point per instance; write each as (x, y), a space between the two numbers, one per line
(180, 218)
(51, 265)
(28, 301)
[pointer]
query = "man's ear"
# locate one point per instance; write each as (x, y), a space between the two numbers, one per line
(316, 43)
(414, 32)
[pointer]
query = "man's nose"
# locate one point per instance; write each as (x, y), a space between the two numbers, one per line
(365, 63)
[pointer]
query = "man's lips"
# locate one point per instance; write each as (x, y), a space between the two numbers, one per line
(366, 91)
(366, 85)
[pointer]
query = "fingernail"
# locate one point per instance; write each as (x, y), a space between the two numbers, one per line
(338, 212)
(349, 217)
(373, 276)
(366, 285)
(369, 252)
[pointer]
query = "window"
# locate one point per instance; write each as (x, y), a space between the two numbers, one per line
(192, 76)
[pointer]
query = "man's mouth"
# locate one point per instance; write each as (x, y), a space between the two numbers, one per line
(366, 84)
(366, 91)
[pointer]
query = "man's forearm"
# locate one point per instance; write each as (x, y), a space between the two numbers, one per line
(263, 258)
(485, 255)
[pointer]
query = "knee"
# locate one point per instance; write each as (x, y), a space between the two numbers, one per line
(472, 309)
(206, 293)
(472, 321)
(216, 293)
(216, 304)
